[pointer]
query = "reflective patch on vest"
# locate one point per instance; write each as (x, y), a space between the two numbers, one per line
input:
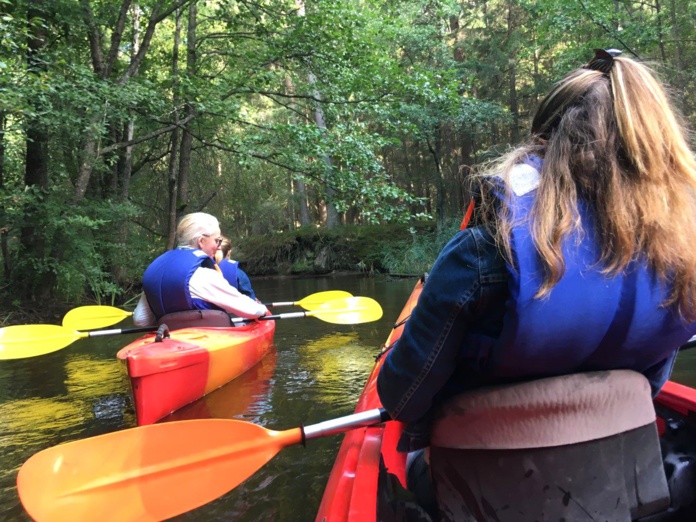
(524, 179)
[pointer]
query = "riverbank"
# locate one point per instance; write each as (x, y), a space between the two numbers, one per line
(401, 250)
(392, 249)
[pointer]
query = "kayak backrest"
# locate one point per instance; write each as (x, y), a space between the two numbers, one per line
(574, 447)
(195, 319)
(546, 412)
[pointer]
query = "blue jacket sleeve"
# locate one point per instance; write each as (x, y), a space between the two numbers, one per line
(457, 296)
(244, 284)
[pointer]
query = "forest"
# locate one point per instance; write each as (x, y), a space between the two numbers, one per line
(119, 116)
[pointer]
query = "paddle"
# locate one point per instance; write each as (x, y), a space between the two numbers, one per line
(346, 310)
(30, 340)
(20, 341)
(314, 300)
(158, 471)
(91, 317)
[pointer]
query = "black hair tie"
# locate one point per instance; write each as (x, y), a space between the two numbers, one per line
(603, 60)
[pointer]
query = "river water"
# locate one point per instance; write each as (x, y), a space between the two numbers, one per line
(315, 372)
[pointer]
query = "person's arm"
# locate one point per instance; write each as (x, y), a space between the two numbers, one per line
(211, 286)
(244, 284)
(467, 276)
(659, 374)
(143, 315)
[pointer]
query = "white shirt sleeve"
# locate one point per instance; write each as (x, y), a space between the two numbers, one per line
(143, 315)
(210, 285)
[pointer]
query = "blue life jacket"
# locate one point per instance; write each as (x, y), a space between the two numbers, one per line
(229, 268)
(236, 277)
(166, 281)
(589, 321)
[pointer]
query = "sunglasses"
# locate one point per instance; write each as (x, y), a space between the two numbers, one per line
(218, 240)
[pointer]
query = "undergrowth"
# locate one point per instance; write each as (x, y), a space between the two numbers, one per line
(393, 248)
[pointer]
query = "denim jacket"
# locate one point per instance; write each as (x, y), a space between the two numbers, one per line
(451, 341)
(464, 296)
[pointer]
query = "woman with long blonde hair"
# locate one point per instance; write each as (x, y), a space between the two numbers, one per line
(610, 139)
(581, 258)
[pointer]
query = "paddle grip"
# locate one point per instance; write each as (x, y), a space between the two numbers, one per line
(289, 315)
(117, 331)
(347, 423)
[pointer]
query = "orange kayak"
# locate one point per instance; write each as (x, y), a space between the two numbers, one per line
(168, 374)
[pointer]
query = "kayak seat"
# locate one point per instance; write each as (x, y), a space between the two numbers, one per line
(576, 447)
(195, 319)
(679, 456)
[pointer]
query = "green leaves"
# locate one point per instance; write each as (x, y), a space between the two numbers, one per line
(377, 109)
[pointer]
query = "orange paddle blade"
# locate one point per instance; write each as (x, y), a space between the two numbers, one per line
(148, 473)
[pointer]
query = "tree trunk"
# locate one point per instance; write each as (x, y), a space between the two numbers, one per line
(330, 214)
(439, 177)
(3, 219)
(297, 186)
(301, 191)
(125, 166)
(512, 76)
(104, 67)
(173, 173)
(187, 137)
(679, 81)
(36, 160)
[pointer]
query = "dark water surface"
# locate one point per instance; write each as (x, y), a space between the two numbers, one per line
(315, 372)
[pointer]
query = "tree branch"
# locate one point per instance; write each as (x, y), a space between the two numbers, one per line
(116, 37)
(146, 137)
(611, 32)
(155, 18)
(94, 37)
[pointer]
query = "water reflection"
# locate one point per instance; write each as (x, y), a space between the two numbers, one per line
(336, 365)
(60, 410)
(246, 397)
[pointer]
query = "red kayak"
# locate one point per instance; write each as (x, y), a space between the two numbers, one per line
(367, 480)
(168, 373)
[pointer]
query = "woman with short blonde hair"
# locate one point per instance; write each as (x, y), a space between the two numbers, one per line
(195, 226)
(186, 278)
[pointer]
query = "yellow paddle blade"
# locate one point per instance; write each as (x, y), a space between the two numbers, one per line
(91, 317)
(30, 340)
(316, 300)
(149, 473)
(348, 310)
